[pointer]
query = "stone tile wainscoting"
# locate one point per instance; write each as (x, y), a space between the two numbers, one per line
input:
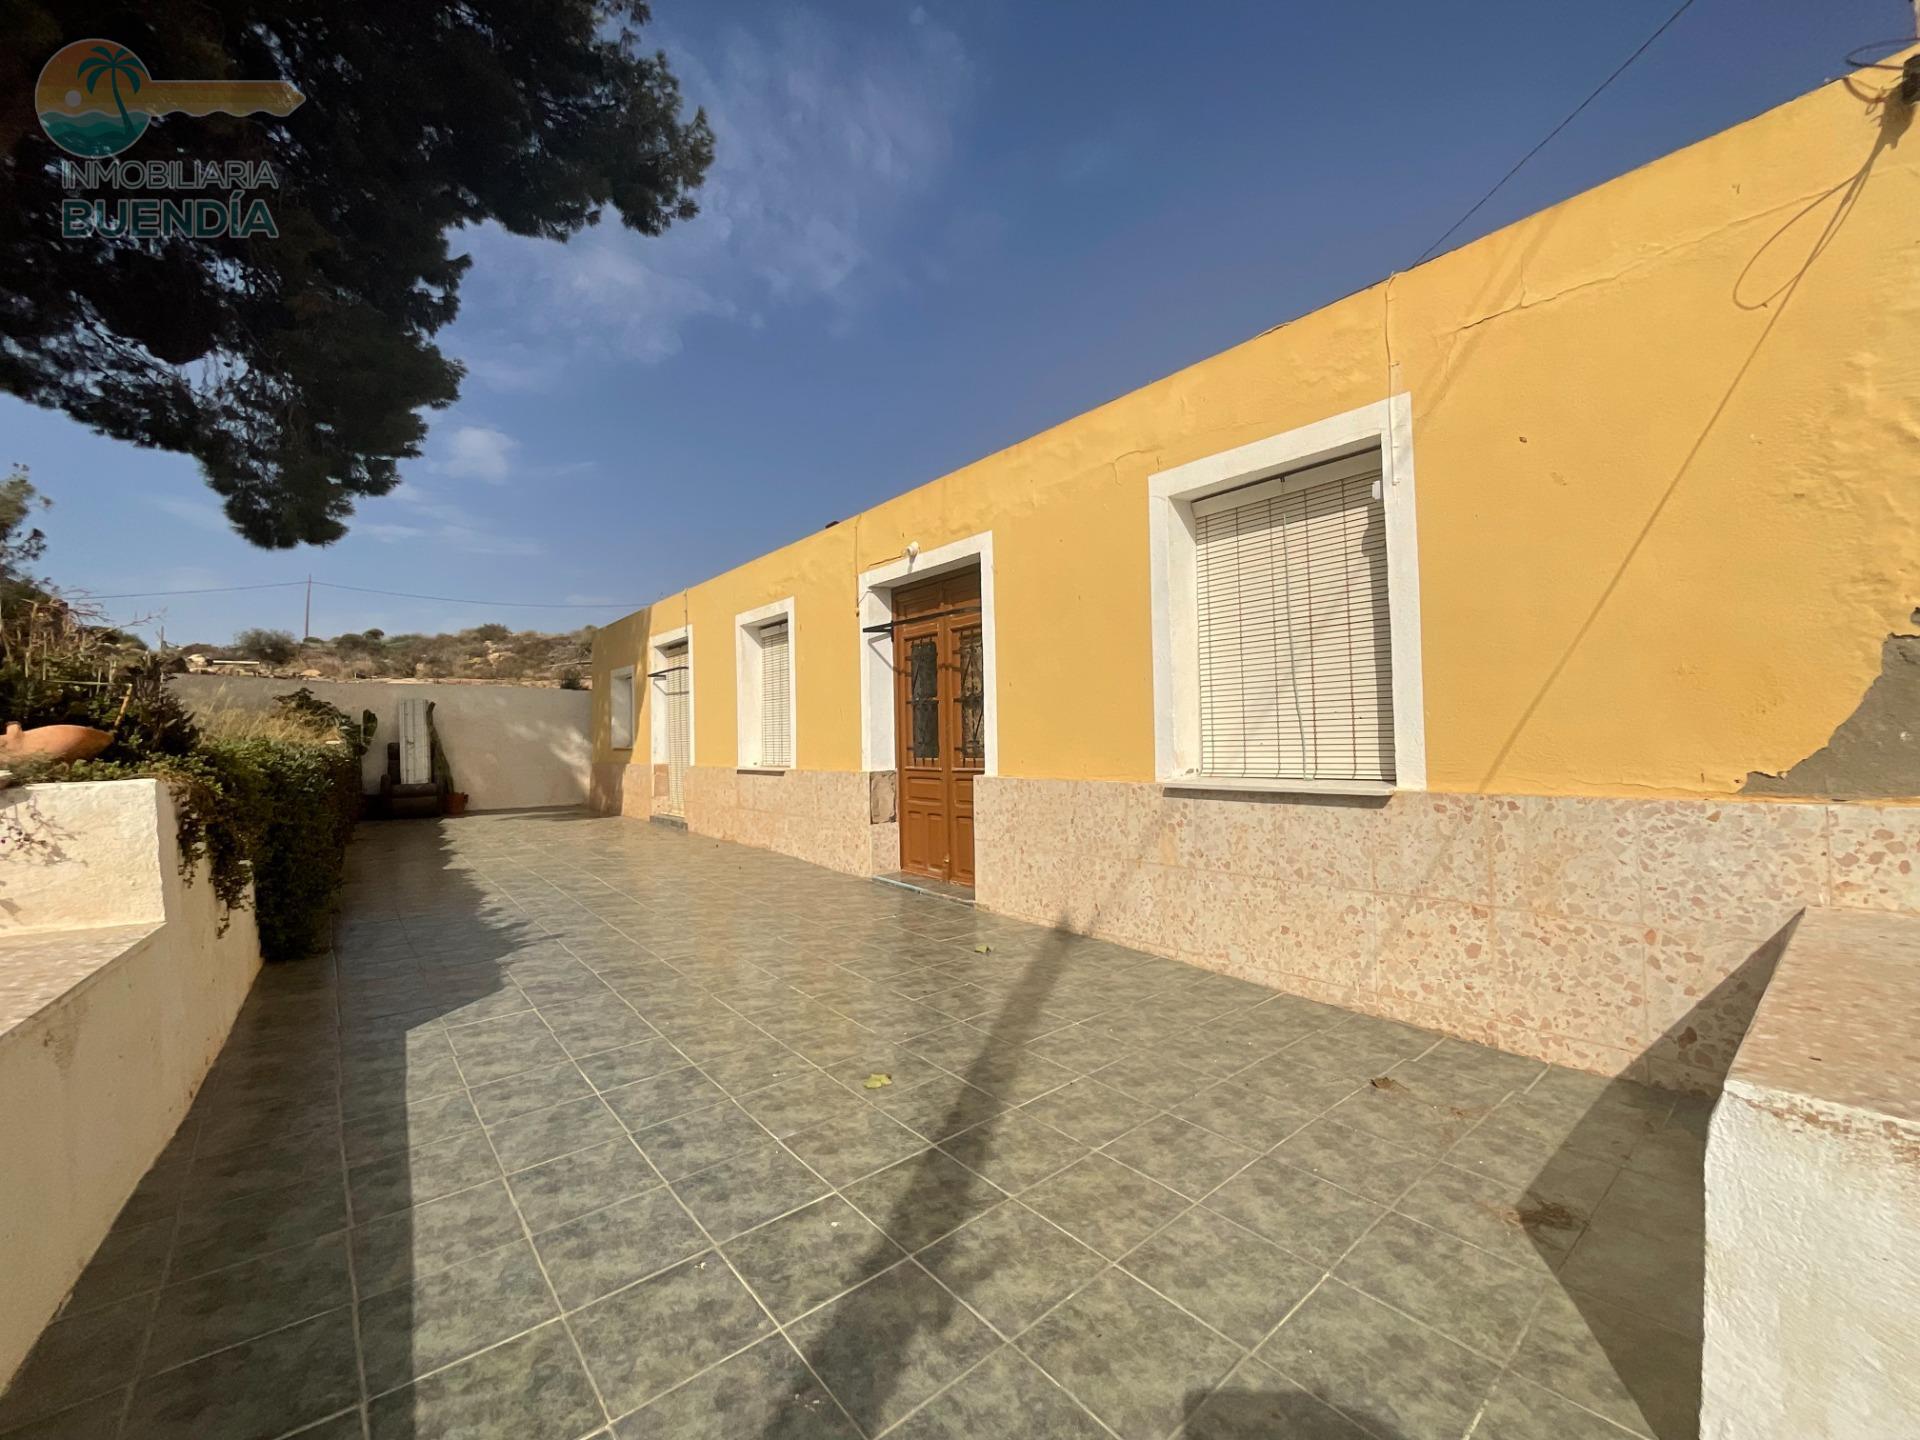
(839, 819)
(617, 788)
(1629, 937)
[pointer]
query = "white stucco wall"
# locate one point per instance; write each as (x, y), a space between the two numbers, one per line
(116, 994)
(1813, 1197)
(512, 747)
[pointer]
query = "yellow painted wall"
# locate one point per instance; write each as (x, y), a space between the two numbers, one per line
(1665, 437)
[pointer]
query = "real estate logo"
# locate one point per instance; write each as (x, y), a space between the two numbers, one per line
(95, 98)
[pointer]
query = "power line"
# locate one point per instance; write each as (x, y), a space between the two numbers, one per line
(1574, 114)
(204, 590)
(496, 604)
(365, 590)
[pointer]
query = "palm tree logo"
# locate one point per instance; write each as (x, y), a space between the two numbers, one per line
(115, 62)
(95, 97)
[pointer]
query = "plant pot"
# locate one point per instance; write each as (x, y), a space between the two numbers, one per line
(54, 742)
(456, 802)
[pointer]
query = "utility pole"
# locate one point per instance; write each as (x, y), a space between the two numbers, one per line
(306, 623)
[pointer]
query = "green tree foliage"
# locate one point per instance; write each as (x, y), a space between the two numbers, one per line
(270, 647)
(21, 542)
(296, 370)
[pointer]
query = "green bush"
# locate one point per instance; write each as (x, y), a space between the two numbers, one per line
(304, 799)
(272, 809)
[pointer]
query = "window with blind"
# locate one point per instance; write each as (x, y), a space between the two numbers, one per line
(1295, 656)
(620, 708)
(776, 695)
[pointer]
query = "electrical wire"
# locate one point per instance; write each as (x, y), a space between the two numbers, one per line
(1573, 115)
(365, 590)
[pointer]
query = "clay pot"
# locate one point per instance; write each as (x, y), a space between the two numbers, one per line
(54, 742)
(456, 802)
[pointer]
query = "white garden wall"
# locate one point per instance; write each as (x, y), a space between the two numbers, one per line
(512, 747)
(116, 994)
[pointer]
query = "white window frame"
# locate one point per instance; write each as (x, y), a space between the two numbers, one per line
(657, 753)
(1171, 494)
(877, 748)
(622, 676)
(748, 678)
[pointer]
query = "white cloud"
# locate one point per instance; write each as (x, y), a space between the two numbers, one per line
(826, 132)
(430, 517)
(201, 514)
(478, 452)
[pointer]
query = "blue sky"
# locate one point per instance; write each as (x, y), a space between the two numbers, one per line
(931, 230)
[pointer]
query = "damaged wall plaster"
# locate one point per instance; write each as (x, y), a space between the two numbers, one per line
(1875, 753)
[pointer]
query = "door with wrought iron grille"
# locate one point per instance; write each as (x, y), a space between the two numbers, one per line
(939, 722)
(673, 690)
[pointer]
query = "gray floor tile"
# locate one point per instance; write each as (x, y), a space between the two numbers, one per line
(1004, 1395)
(130, 1260)
(1294, 1209)
(1257, 1404)
(921, 1198)
(1129, 1356)
(251, 1227)
(511, 1045)
(602, 1022)
(1527, 1223)
(402, 1181)
(1103, 1204)
(1466, 1294)
(1355, 1160)
(663, 1097)
(764, 1393)
(310, 1157)
(542, 1135)
(1368, 1360)
(1243, 1114)
(597, 1253)
(806, 1258)
(228, 1306)
(411, 1244)
(1395, 1112)
(1521, 1410)
(645, 1339)
(436, 1320)
(1090, 1112)
(552, 1193)
(76, 1359)
(1181, 1155)
(96, 1419)
(611, 1069)
(1616, 1362)
(1237, 1282)
(798, 1102)
(885, 1347)
(1014, 1150)
(857, 1143)
(1153, 1078)
(935, 1109)
(755, 1068)
(758, 965)
(702, 1138)
(1012, 1266)
(533, 1090)
(531, 1388)
(266, 1386)
(749, 1189)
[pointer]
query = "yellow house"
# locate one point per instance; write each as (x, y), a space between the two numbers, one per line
(1425, 654)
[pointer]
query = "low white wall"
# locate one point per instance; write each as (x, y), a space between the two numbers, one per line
(1813, 1196)
(512, 747)
(116, 994)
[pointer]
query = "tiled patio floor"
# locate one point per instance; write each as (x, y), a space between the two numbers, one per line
(574, 1136)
